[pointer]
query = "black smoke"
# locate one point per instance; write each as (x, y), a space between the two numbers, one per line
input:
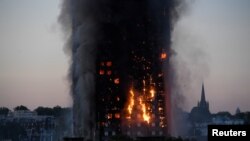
(78, 18)
(83, 22)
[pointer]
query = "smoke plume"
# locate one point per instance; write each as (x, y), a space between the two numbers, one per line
(189, 66)
(78, 19)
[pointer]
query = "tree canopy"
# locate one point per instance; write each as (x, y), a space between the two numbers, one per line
(4, 111)
(21, 107)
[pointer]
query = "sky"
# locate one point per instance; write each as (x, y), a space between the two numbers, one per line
(33, 66)
(212, 38)
(218, 31)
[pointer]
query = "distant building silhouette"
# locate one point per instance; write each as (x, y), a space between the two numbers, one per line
(237, 111)
(201, 112)
(200, 117)
(24, 125)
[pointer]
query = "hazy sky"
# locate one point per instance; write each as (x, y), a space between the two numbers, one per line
(220, 30)
(33, 66)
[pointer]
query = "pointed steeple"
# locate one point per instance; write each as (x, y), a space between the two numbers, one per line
(203, 102)
(238, 111)
(203, 98)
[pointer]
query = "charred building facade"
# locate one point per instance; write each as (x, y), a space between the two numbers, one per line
(131, 92)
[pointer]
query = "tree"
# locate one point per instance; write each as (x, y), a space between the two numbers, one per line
(44, 111)
(21, 107)
(57, 110)
(4, 111)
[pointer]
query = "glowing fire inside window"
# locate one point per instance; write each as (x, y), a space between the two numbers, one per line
(160, 109)
(152, 93)
(163, 55)
(109, 64)
(116, 80)
(101, 72)
(117, 115)
(118, 98)
(109, 116)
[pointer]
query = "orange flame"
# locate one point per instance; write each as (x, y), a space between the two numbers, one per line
(131, 102)
(152, 93)
(145, 115)
(164, 55)
(140, 102)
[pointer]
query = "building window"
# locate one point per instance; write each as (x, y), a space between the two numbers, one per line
(101, 72)
(160, 109)
(153, 133)
(102, 123)
(160, 74)
(117, 115)
(153, 124)
(153, 115)
(116, 80)
(118, 98)
(109, 64)
(138, 133)
(109, 116)
(138, 116)
(109, 72)
(113, 133)
(163, 55)
(106, 133)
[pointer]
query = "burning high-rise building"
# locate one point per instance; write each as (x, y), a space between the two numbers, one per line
(131, 95)
(120, 68)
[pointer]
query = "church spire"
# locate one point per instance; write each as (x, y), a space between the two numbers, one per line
(203, 102)
(203, 98)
